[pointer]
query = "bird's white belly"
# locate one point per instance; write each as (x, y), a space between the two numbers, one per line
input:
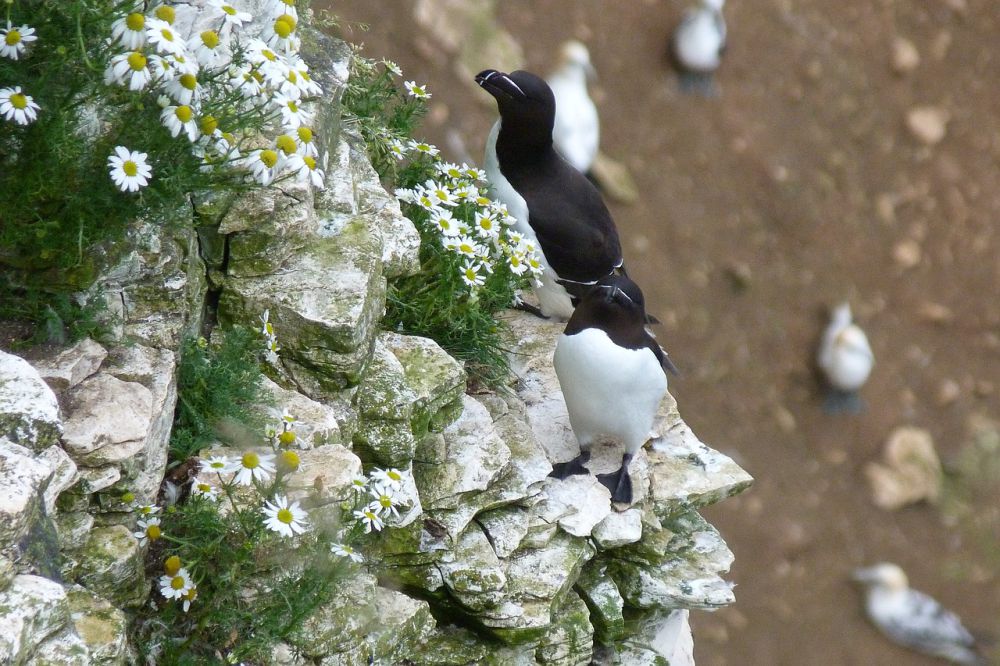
(553, 298)
(847, 370)
(610, 392)
(697, 43)
(576, 133)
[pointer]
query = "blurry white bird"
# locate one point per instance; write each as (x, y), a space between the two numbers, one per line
(577, 130)
(846, 359)
(698, 44)
(913, 619)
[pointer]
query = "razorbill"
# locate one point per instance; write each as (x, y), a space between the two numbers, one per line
(553, 203)
(611, 371)
(912, 618)
(698, 43)
(577, 129)
(846, 359)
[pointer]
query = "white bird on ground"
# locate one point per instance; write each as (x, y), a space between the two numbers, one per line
(577, 129)
(698, 43)
(913, 619)
(846, 359)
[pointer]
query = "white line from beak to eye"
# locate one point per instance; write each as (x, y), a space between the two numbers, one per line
(487, 77)
(511, 82)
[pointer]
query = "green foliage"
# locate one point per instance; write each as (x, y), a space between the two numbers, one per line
(216, 385)
(58, 318)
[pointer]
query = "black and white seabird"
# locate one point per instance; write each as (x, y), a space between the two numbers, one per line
(913, 619)
(846, 359)
(698, 43)
(611, 371)
(577, 130)
(553, 203)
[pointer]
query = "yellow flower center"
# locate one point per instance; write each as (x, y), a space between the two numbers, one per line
(191, 594)
(18, 100)
(128, 497)
(515, 261)
(292, 78)
(310, 162)
(285, 516)
(167, 34)
(130, 168)
(470, 274)
(208, 124)
(292, 106)
(189, 81)
(290, 460)
(370, 515)
(135, 21)
(13, 37)
(305, 134)
(290, 3)
(289, 19)
(282, 28)
(385, 501)
(286, 144)
(269, 54)
(166, 13)
(177, 582)
(137, 61)
(153, 532)
(229, 9)
(172, 565)
(269, 158)
(251, 460)
(184, 113)
(305, 75)
(210, 38)
(229, 137)
(204, 487)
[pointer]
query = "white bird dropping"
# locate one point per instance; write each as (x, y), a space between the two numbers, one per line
(913, 619)
(577, 130)
(698, 43)
(846, 359)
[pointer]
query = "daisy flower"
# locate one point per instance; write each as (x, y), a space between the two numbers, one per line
(231, 16)
(474, 174)
(343, 550)
(384, 502)
(16, 106)
(128, 69)
(465, 246)
(292, 114)
(392, 67)
(423, 199)
(164, 38)
(278, 7)
(370, 519)
(204, 490)
(440, 193)
(486, 225)
(14, 41)
(149, 530)
(217, 464)
(359, 483)
(130, 30)
(397, 148)
(445, 222)
(305, 168)
(254, 467)
(266, 329)
(180, 119)
(188, 597)
(391, 478)
(286, 144)
(176, 586)
(147, 509)
(307, 143)
(247, 81)
(518, 266)
(129, 169)
(465, 192)
(305, 82)
(263, 166)
(165, 13)
(420, 92)
(264, 60)
(471, 275)
(209, 49)
(424, 147)
(449, 170)
(280, 35)
(289, 461)
(284, 518)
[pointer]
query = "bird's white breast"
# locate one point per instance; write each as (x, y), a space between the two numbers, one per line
(610, 391)
(698, 40)
(576, 132)
(846, 357)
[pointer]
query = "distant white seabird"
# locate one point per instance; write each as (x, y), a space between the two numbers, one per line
(698, 43)
(846, 359)
(913, 619)
(577, 129)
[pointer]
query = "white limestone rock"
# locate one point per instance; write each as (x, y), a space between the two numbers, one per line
(95, 479)
(606, 605)
(72, 528)
(316, 423)
(29, 411)
(577, 503)
(108, 420)
(435, 378)
(102, 627)
(661, 637)
(71, 366)
(505, 527)
(32, 608)
(23, 479)
(110, 564)
(570, 639)
(64, 475)
(472, 572)
(618, 529)
(65, 648)
(324, 475)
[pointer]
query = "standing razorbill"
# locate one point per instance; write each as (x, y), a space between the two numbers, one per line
(912, 618)
(846, 359)
(611, 371)
(577, 130)
(698, 44)
(552, 202)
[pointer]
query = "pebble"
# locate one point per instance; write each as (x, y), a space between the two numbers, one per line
(906, 253)
(948, 392)
(905, 57)
(936, 313)
(928, 124)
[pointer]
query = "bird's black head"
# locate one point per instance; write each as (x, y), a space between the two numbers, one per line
(613, 301)
(525, 102)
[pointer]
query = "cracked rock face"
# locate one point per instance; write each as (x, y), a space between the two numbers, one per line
(29, 411)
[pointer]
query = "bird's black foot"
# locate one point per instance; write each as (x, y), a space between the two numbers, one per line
(843, 402)
(619, 483)
(574, 466)
(528, 307)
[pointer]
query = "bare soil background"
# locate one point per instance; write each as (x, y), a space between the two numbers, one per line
(800, 185)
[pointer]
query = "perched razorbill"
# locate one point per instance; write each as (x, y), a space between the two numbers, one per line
(577, 130)
(698, 43)
(846, 359)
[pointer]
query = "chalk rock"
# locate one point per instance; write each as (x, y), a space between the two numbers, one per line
(606, 605)
(660, 637)
(23, 479)
(472, 572)
(618, 529)
(29, 411)
(911, 471)
(928, 124)
(570, 639)
(71, 366)
(577, 503)
(64, 475)
(111, 564)
(64, 648)
(102, 627)
(32, 608)
(324, 475)
(905, 57)
(316, 423)
(108, 420)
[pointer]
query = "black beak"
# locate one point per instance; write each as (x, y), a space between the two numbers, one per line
(498, 84)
